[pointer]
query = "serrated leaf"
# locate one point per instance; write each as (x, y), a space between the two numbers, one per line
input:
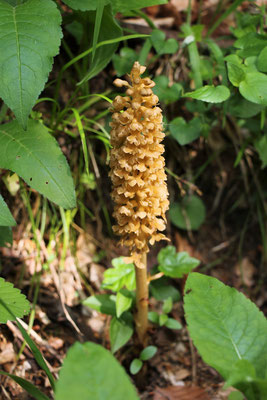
(254, 88)
(6, 218)
(5, 236)
(185, 132)
(210, 94)
(174, 264)
(120, 331)
(188, 214)
(121, 275)
(102, 303)
(90, 371)
(222, 320)
(148, 352)
(29, 39)
(135, 366)
(36, 157)
(12, 302)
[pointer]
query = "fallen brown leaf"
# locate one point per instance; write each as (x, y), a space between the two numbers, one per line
(181, 393)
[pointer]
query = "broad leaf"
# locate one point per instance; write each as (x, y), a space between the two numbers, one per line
(124, 301)
(5, 236)
(210, 94)
(13, 303)
(189, 213)
(222, 321)
(6, 218)
(103, 303)
(236, 73)
(84, 5)
(36, 157)
(161, 289)
(163, 46)
(174, 264)
(242, 108)
(251, 44)
(262, 60)
(91, 372)
(123, 62)
(120, 331)
(254, 88)
(185, 132)
(121, 275)
(122, 5)
(29, 39)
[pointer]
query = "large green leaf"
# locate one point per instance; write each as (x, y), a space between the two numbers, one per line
(36, 157)
(117, 5)
(6, 218)
(254, 87)
(84, 5)
(188, 214)
(224, 325)
(13, 303)
(30, 36)
(91, 372)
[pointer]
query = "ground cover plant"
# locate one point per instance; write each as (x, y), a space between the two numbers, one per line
(197, 79)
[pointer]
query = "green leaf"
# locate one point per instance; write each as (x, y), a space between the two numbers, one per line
(122, 5)
(161, 289)
(174, 264)
(161, 45)
(6, 218)
(28, 386)
(222, 320)
(36, 157)
(188, 214)
(166, 93)
(163, 318)
(90, 371)
(109, 29)
(185, 132)
(235, 396)
(262, 60)
(261, 147)
(13, 303)
(76, 29)
(102, 303)
(210, 94)
(242, 108)
(236, 73)
(148, 353)
(29, 39)
(153, 316)
(123, 62)
(5, 236)
(84, 5)
(254, 88)
(243, 377)
(120, 331)
(123, 302)
(121, 275)
(135, 366)
(250, 44)
(167, 305)
(173, 324)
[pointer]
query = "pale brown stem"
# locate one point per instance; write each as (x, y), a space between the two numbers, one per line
(141, 318)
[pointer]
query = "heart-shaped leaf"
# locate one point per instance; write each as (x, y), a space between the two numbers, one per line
(189, 213)
(30, 36)
(36, 157)
(254, 87)
(166, 93)
(174, 264)
(123, 62)
(90, 371)
(185, 132)
(210, 94)
(13, 303)
(163, 46)
(6, 218)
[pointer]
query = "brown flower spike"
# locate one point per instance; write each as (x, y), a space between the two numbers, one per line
(137, 167)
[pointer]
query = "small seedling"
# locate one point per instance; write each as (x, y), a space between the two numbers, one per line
(146, 354)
